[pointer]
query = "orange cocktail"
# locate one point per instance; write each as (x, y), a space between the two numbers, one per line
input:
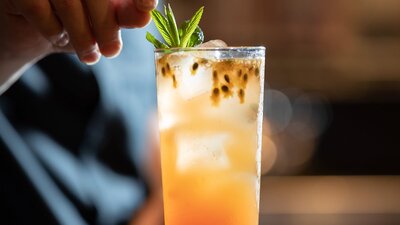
(210, 117)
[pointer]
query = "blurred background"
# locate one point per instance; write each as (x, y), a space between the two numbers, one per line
(332, 102)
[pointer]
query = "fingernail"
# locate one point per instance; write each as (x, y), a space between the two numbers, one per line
(60, 40)
(112, 49)
(91, 57)
(146, 5)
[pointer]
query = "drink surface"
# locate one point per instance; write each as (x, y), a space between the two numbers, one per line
(210, 113)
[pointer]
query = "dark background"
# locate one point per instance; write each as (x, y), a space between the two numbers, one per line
(332, 104)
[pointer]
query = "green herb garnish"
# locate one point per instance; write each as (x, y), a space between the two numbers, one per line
(188, 34)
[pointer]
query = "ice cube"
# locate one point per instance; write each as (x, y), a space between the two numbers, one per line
(202, 151)
(213, 43)
(179, 60)
(192, 85)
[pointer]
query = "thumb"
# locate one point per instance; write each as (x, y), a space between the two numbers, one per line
(134, 13)
(146, 5)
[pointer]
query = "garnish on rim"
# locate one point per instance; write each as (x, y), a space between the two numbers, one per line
(188, 34)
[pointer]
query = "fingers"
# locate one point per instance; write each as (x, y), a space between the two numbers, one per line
(104, 26)
(73, 16)
(41, 15)
(89, 26)
(134, 13)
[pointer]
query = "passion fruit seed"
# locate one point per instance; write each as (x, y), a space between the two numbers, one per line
(245, 77)
(174, 81)
(203, 61)
(239, 73)
(226, 77)
(215, 76)
(215, 91)
(195, 66)
(225, 88)
(163, 71)
(257, 72)
(215, 96)
(241, 95)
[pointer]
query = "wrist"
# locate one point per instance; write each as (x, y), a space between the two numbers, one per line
(12, 67)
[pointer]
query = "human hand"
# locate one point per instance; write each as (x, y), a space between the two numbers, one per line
(34, 28)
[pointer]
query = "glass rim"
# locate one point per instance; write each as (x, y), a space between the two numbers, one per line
(210, 49)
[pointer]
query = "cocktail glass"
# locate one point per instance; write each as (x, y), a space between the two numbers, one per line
(210, 105)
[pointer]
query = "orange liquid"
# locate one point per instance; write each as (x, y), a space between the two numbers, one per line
(208, 195)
